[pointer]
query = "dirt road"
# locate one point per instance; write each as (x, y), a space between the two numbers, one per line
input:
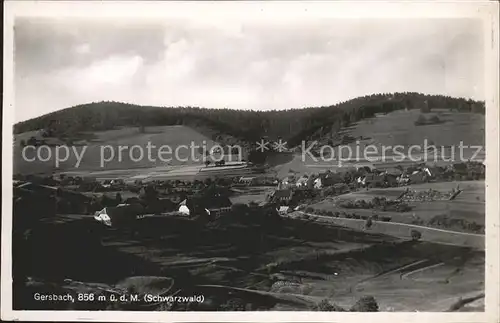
(402, 230)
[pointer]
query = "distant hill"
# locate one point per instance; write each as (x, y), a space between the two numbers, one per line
(225, 125)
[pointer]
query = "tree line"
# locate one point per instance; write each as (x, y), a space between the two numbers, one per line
(292, 125)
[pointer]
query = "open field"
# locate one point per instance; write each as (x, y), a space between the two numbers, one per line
(469, 206)
(104, 146)
(252, 194)
(321, 262)
(165, 173)
(397, 129)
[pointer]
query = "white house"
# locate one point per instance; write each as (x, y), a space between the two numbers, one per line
(215, 205)
(123, 213)
(183, 209)
(302, 182)
(317, 183)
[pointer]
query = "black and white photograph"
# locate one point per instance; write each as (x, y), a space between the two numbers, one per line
(260, 157)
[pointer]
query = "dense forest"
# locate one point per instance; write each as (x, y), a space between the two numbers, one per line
(245, 125)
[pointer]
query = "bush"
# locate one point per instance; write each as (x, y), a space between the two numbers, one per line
(365, 304)
(309, 209)
(415, 235)
(385, 218)
(325, 306)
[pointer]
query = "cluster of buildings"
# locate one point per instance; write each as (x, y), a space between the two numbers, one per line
(343, 180)
(212, 200)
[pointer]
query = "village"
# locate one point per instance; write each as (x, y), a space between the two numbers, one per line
(115, 201)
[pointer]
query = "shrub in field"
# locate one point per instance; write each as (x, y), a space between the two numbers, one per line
(365, 304)
(329, 213)
(415, 235)
(474, 227)
(386, 218)
(336, 214)
(325, 306)
(309, 209)
(368, 223)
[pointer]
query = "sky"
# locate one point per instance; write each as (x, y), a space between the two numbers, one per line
(259, 65)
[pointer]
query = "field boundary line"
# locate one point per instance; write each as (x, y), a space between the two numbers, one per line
(421, 269)
(398, 224)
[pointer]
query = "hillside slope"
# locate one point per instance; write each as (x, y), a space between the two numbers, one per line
(292, 125)
(381, 119)
(106, 143)
(390, 130)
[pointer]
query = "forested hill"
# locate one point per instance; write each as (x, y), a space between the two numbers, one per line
(291, 125)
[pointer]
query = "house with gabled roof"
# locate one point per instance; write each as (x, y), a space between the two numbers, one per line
(120, 214)
(418, 177)
(374, 180)
(302, 182)
(213, 206)
(393, 171)
(433, 171)
(328, 179)
(283, 196)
